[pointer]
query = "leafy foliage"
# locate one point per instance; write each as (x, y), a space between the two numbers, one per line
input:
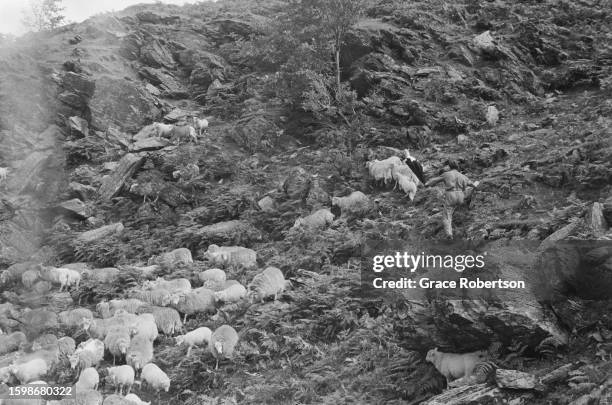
(43, 15)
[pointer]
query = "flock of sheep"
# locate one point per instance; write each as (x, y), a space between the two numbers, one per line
(180, 132)
(383, 172)
(125, 329)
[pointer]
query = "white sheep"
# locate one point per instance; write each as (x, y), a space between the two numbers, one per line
(455, 365)
(65, 346)
(140, 352)
(318, 219)
(14, 272)
(172, 258)
(197, 337)
(201, 124)
(173, 286)
(133, 398)
(155, 377)
(406, 185)
(163, 130)
(88, 380)
(356, 203)
(98, 328)
(404, 170)
(199, 300)
(145, 326)
(5, 170)
(158, 296)
(212, 278)
(105, 275)
(167, 320)
(120, 377)
(380, 170)
(75, 318)
(269, 282)
(223, 342)
(233, 293)
(129, 305)
(45, 340)
(29, 277)
(12, 342)
(231, 255)
(62, 276)
(87, 354)
(183, 132)
(31, 371)
(117, 341)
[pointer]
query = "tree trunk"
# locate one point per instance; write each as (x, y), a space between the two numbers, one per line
(337, 73)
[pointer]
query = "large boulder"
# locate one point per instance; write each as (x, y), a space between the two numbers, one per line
(123, 103)
(156, 55)
(169, 85)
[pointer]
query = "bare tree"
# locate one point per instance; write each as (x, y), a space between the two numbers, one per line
(43, 15)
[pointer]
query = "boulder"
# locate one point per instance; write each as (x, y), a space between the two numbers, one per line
(76, 208)
(112, 185)
(72, 100)
(148, 144)
(78, 126)
(266, 204)
(122, 103)
(481, 394)
(156, 55)
(130, 46)
(149, 131)
(81, 191)
(515, 379)
(170, 87)
(80, 84)
(178, 114)
(100, 233)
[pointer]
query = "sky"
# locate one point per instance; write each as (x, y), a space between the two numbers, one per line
(75, 11)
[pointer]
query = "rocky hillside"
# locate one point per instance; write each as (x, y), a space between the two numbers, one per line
(90, 184)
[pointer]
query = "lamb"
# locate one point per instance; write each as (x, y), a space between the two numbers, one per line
(167, 320)
(201, 124)
(12, 342)
(163, 130)
(356, 203)
(183, 132)
(75, 318)
(173, 286)
(117, 341)
(454, 365)
(30, 371)
(145, 326)
(172, 258)
(5, 170)
(140, 352)
(318, 219)
(88, 380)
(198, 300)
(196, 337)
(407, 186)
(231, 255)
(62, 276)
(212, 278)
(29, 277)
(120, 377)
(223, 342)
(155, 377)
(133, 398)
(269, 282)
(380, 170)
(233, 293)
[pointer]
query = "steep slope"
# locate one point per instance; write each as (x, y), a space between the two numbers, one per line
(76, 105)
